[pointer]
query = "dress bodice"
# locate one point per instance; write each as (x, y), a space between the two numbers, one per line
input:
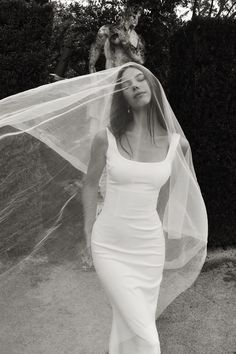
(133, 186)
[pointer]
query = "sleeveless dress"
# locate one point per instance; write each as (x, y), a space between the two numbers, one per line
(128, 247)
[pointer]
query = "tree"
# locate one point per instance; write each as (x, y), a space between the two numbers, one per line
(210, 8)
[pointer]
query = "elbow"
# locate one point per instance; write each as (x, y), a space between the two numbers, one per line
(90, 183)
(89, 190)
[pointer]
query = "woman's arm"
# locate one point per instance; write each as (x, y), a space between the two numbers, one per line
(96, 165)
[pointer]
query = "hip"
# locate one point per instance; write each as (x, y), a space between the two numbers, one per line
(128, 232)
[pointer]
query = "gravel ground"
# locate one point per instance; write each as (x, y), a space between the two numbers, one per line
(43, 314)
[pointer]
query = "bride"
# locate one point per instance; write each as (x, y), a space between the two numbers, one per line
(148, 243)
(126, 241)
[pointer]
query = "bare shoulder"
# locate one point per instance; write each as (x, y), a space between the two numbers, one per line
(101, 136)
(180, 138)
(182, 141)
(100, 141)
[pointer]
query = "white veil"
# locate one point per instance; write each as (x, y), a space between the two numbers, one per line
(45, 141)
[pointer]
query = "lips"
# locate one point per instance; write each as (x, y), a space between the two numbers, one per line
(139, 94)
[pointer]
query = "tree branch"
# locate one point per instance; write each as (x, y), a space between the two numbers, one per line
(221, 9)
(211, 7)
(229, 10)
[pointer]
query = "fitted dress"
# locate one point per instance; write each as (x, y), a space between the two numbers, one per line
(128, 247)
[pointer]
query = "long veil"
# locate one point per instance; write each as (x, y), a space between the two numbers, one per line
(45, 140)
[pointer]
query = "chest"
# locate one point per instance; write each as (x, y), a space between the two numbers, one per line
(142, 150)
(117, 34)
(141, 175)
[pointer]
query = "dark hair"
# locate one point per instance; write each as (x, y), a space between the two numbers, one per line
(120, 118)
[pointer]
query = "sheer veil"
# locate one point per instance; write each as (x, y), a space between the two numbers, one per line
(45, 141)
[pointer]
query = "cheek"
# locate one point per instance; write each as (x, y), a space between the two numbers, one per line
(149, 96)
(127, 96)
(148, 90)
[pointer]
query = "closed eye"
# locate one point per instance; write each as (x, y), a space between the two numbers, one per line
(140, 77)
(127, 83)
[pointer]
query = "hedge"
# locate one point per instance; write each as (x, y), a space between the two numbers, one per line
(202, 93)
(25, 32)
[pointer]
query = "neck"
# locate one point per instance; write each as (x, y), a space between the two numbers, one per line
(139, 125)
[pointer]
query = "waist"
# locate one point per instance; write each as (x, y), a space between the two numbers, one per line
(132, 203)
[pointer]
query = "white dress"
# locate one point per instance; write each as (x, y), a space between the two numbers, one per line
(128, 247)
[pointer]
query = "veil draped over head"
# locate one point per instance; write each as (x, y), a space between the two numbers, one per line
(45, 141)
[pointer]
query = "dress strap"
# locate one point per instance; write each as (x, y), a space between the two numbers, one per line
(174, 142)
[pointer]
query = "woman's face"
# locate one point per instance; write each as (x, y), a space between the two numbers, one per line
(135, 87)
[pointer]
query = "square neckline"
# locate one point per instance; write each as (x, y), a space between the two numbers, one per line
(140, 162)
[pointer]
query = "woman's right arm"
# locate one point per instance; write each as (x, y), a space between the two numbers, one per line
(96, 165)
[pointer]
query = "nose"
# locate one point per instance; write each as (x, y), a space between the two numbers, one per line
(135, 85)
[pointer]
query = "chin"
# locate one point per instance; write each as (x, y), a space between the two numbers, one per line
(144, 102)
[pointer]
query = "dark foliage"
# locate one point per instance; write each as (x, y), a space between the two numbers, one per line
(20, 180)
(25, 32)
(202, 94)
(157, 24)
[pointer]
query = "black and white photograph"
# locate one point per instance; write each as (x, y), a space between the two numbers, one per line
(117, 177)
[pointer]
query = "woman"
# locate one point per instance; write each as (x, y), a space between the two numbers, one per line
(126, 242)
(148, 243)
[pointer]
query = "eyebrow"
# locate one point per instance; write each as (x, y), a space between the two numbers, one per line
(129, 80)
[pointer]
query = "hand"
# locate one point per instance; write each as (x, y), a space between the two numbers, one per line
(87, 260)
